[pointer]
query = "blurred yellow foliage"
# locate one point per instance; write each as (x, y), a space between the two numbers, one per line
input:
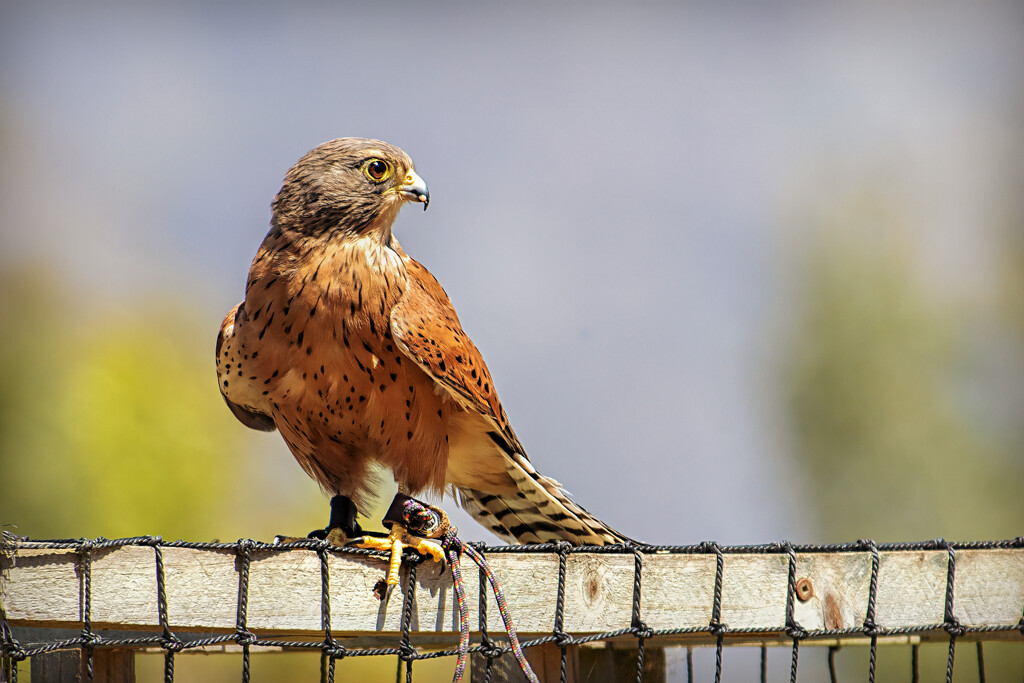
(111, 425)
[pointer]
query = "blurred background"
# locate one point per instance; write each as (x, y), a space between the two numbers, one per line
(759, 267)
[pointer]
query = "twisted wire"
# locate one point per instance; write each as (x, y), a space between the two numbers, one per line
(558, 631)
(88, 638)
(870, 627)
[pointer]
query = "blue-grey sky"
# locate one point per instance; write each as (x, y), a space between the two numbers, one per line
(620, 193)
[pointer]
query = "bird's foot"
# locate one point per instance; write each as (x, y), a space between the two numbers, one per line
(413, 525)
(394, 543)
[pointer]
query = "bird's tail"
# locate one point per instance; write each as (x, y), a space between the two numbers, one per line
(539, 511)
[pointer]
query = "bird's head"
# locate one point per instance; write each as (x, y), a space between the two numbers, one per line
(348, 186)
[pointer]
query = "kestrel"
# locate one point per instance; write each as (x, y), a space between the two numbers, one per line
(353, 351)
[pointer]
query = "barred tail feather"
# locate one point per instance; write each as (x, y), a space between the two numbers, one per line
(539, 512)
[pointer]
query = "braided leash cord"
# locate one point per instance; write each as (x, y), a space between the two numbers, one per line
(506, 616)
(449, 542)
(417, 513)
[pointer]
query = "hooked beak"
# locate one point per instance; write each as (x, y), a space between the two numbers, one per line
(415, 190)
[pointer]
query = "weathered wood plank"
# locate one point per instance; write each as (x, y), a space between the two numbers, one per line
(546, 662)
(611, 665)
(71, 666)
(61, 666)
(44, 588)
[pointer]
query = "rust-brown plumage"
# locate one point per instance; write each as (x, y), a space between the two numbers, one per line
(354, 352)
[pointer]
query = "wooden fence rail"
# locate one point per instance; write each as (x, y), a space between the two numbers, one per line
(828, 598)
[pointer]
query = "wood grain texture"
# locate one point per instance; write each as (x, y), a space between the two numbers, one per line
(44, 588)
(109, 665)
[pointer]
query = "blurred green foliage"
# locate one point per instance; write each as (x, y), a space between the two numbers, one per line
(889, 417)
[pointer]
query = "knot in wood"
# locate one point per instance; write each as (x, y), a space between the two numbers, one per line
(594, 585)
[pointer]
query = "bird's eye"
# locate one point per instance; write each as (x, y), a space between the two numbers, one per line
(376, 170)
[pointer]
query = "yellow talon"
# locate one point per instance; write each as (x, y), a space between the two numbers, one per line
(395, 542)
(395, 562)
(427, 547)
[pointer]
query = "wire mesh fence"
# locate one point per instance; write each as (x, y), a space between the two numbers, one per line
(408, 644)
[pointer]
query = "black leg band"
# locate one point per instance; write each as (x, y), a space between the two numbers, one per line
(396, 513)
(428, 521)
(343, 516)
